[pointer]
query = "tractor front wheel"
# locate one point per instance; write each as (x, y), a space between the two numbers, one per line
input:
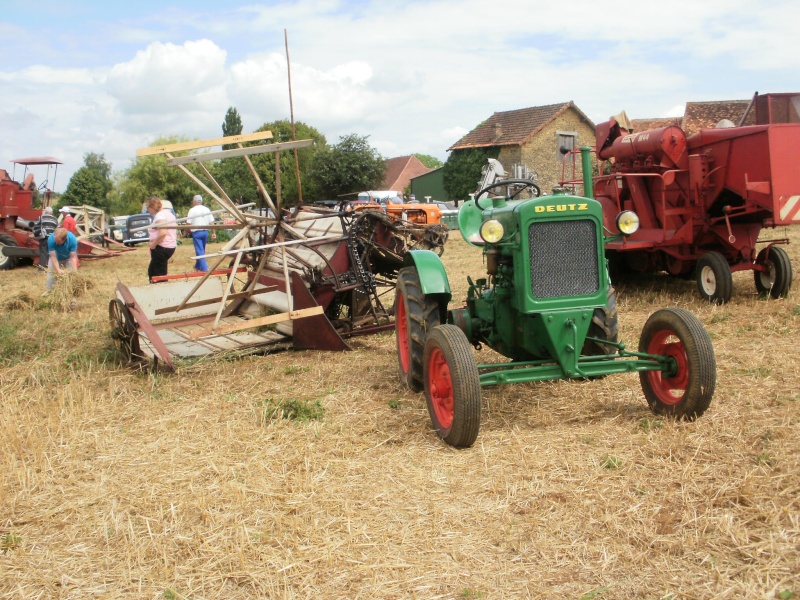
(685, 389)
(415, 315)
(714, 278)
(452, 386)
(7, 262)
(604, 326)
(778, 280)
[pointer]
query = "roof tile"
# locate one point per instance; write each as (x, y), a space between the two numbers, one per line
(702, 115)
(400, 170)
(514, 127)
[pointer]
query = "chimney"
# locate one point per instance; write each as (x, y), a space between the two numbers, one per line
(498, 130)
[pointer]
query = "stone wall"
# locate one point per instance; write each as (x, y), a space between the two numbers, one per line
(540, 153)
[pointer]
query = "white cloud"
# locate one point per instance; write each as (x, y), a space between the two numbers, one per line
(166, 77)
(414, 76)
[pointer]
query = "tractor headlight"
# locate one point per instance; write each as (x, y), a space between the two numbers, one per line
(492, 231)
(628, 222)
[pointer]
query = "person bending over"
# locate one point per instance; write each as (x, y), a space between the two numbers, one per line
(63, 247)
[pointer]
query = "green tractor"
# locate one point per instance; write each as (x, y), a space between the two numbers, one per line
(546, 304)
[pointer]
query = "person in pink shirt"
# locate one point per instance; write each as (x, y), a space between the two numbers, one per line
(163, 241)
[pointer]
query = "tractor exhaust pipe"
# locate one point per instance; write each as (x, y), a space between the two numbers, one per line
(586, 166)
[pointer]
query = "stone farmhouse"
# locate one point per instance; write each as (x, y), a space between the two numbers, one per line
(532, 137)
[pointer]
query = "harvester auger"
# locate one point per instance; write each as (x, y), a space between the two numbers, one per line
(547, 305)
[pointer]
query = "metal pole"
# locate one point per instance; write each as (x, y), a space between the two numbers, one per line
(291, 114)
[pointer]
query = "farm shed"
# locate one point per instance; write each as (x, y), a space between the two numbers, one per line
(429, 184)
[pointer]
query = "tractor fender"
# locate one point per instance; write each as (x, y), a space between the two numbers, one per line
(432, 277)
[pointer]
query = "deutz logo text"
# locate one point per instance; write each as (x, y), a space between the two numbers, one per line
(561, 208)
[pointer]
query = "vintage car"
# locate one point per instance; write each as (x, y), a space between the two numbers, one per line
(117, 228)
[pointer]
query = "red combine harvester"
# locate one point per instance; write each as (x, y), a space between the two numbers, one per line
(17, 215)
(703, 200)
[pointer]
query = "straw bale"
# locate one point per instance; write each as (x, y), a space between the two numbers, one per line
(126, 484)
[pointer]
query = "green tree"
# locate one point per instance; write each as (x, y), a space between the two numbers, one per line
(232, 125)
(90, 184)
(151, 176)
(462, 171)
(98, 164)
(350, 166)
(429, 161)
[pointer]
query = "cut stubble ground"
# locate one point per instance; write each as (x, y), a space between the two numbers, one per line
(115, 483)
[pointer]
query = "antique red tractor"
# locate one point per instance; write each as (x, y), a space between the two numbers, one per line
(703, 200)
(17, 212)
(21, 204)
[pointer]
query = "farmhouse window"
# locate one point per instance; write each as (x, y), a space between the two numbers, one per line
(565, 139)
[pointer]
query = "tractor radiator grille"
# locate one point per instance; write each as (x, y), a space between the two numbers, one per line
(563, 258)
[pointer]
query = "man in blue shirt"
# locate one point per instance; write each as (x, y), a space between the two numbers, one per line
(63, 247)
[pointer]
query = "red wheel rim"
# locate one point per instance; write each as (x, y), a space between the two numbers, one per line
(401, 329)
(440, 385)
(670, 390)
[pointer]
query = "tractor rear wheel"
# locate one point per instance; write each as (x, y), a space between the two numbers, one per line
(7, 262)
(685, 390)
(452, 386)
(714, 278)
(778, 280)
(415, 315)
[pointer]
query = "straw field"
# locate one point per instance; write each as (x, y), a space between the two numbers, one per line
(313, 474)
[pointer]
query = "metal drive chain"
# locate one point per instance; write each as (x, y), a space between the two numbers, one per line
(364, 278)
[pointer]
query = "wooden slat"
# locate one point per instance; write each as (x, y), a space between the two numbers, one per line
(249, 150)
(251, 323)
(197, 144)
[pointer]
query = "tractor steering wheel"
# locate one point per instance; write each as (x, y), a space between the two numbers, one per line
(525, 183)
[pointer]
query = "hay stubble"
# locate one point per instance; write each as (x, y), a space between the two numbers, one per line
(116, 483)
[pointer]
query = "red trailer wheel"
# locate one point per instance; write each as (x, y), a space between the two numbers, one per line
(686, 390)
(714, 278)
(778, 280)
(414, 316)
(123, 330)
(452, 386)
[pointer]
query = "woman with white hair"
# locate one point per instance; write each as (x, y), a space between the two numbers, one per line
(43, 228)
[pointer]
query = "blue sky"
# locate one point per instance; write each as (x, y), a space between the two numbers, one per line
(109, 78)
